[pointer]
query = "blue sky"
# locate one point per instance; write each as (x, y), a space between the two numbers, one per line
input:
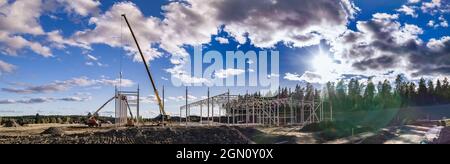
(64, 57)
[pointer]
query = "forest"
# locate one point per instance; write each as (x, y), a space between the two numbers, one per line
(355, 95)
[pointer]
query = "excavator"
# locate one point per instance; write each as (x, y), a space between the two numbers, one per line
(93, 121)
(163, 116)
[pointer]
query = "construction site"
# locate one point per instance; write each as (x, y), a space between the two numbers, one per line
(228, 118)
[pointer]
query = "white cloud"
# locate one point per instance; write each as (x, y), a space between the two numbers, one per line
(407, 33)
(441, 22)
(413, 1)
(273, 75)
(193, 22)
(298, 23)
(80, 7)
(60, 42)
(58, 86)
(21, 17)
(151, 99)
(44, 100)
(14, 22)
(444, 22)
(109, 26)
(6, 67)
(431, 23)
(383, 45)
(183, 98)
(311, 77)
(222, 40)
(438, 44)
(292, 77)
(436, 6)
(11, 44)
(190, 79)
(93, 58)
(222, 74)
(178, 72)
(384, 16)
(74, 99)
(408, 10)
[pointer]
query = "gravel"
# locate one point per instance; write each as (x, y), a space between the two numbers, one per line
(11, 124)
(146, 135)
(54, 132)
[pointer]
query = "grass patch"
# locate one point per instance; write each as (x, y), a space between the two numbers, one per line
(352, 123)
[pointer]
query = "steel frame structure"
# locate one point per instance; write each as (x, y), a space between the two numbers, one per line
(125, 103)
(251, 111)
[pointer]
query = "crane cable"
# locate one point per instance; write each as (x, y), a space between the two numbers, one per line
(120, 58)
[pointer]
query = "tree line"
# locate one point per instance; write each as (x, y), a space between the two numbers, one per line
(357, 95)
(39, 119)
(383, 95)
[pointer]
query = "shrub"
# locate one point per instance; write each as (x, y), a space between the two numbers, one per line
(66, 120)
(59, 120)
(53, 120)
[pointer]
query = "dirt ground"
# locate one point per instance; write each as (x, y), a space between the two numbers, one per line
(79, 134)
(425, 133)
(37, 129)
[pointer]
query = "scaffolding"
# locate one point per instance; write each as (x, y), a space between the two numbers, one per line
(125, 103)
(252, 111)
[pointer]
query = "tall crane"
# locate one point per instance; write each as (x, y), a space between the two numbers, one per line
(160, 103)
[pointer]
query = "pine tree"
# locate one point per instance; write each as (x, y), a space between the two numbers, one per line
(431, 95)
(369, 93)
(411, 93)
(399, 84)
(446, 90)
(331, 90)
(438, 92)
(309, 92)
(422, 92)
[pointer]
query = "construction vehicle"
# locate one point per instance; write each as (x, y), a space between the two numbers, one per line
(93, 121)
(163, 116)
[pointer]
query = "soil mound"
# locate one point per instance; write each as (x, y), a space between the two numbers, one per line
(54, 131)
(11, 124)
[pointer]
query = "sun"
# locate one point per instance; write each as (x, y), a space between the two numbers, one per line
(322, 63)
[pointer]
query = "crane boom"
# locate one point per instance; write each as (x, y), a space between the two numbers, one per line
(99, 109)
(160, 104)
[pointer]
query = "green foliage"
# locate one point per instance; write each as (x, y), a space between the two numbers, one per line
(53, 120)
(59, 120)
(66, 120)
(357, 97)
(37, 119)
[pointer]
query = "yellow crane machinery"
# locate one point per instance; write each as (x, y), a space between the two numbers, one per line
(163, 116)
